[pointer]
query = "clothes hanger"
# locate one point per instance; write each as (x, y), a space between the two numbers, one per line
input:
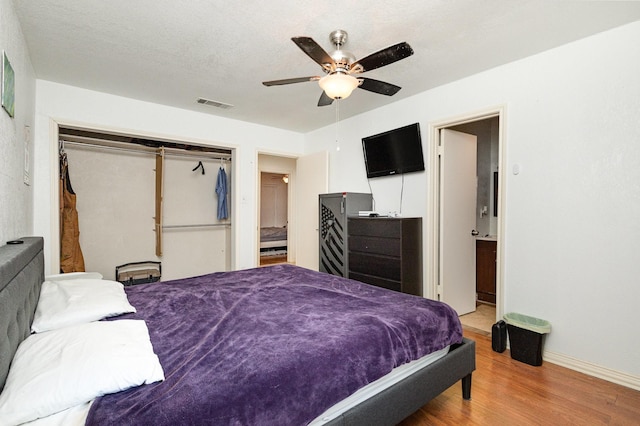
(199, 166)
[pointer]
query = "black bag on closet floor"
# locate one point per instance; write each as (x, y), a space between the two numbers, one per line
(499, 336)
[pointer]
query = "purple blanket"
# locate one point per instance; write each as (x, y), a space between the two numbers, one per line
(270, 346)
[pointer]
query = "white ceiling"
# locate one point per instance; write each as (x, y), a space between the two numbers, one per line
(173, 51)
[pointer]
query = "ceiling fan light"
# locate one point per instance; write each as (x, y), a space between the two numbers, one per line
(338, 85)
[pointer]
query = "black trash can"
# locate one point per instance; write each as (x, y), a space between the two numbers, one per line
(526, 337)
(499, 336)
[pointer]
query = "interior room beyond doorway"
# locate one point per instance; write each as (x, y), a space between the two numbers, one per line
(275, 227)
(273, 218)
(486, 131)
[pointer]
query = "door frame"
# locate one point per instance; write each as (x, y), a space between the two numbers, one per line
(433, 220)
(297, 207)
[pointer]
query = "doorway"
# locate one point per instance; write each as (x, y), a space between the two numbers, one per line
(487, 127)
(274, 217)
(275, 205)
(308, 177)
(312, 180)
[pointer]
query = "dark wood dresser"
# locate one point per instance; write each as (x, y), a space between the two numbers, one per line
(386, 252)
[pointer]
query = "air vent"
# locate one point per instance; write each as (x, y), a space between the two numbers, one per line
(214, 103)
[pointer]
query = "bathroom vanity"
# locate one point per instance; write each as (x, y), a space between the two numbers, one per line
(486, 269)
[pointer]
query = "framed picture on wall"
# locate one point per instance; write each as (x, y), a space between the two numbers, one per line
(8, 86)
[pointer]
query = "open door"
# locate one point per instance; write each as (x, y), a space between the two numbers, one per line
(312, 180)
(458, 192)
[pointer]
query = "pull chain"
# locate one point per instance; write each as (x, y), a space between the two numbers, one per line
(337, 119)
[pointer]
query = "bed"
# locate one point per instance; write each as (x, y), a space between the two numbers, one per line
(278, 383)
(273, 237)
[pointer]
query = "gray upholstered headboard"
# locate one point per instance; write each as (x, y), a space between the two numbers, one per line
(21, 276)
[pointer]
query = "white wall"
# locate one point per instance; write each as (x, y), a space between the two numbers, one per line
(16, 198)
(572, 235)
(72, 105)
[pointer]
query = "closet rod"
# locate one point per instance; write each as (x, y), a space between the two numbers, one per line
(208, 225)
(150, 151)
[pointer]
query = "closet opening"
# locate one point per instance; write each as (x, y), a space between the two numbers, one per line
(150, 200)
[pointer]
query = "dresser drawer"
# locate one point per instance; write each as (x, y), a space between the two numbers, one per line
(381, 266)
(386, 252)
(375, 245)
(377, 281)
(378, 227)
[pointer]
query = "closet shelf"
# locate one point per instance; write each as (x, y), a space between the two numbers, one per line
(207, 225)
(141, 149)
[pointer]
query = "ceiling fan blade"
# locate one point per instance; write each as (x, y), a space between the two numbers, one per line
(315, 52)
(384, 57)
(378, 86)
(290, 81)
(324, 100)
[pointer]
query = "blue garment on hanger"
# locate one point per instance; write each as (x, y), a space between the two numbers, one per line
(221, 190)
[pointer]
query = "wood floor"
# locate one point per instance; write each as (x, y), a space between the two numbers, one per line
(508, 392)
(272, 260)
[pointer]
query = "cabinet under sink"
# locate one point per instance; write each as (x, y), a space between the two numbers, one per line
(486, 269)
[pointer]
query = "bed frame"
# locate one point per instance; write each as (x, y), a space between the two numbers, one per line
(399, 401)
(22, 274)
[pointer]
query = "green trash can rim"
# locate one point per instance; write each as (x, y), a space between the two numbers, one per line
(528, 323)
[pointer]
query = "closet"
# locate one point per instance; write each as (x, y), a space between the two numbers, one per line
(115, 181)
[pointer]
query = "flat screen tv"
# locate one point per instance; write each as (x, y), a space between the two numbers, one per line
(393, 152)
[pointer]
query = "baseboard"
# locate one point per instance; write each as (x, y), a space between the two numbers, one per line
(604, 373)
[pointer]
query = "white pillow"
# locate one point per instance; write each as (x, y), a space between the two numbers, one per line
(70, 302)
(73, 276)
(74, 416)
(62, 368)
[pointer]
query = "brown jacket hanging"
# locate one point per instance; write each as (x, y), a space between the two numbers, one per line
(71, 259)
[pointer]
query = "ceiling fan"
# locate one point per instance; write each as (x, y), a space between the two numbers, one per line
(341, 68)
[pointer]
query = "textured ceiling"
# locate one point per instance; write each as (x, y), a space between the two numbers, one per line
(173, 52)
